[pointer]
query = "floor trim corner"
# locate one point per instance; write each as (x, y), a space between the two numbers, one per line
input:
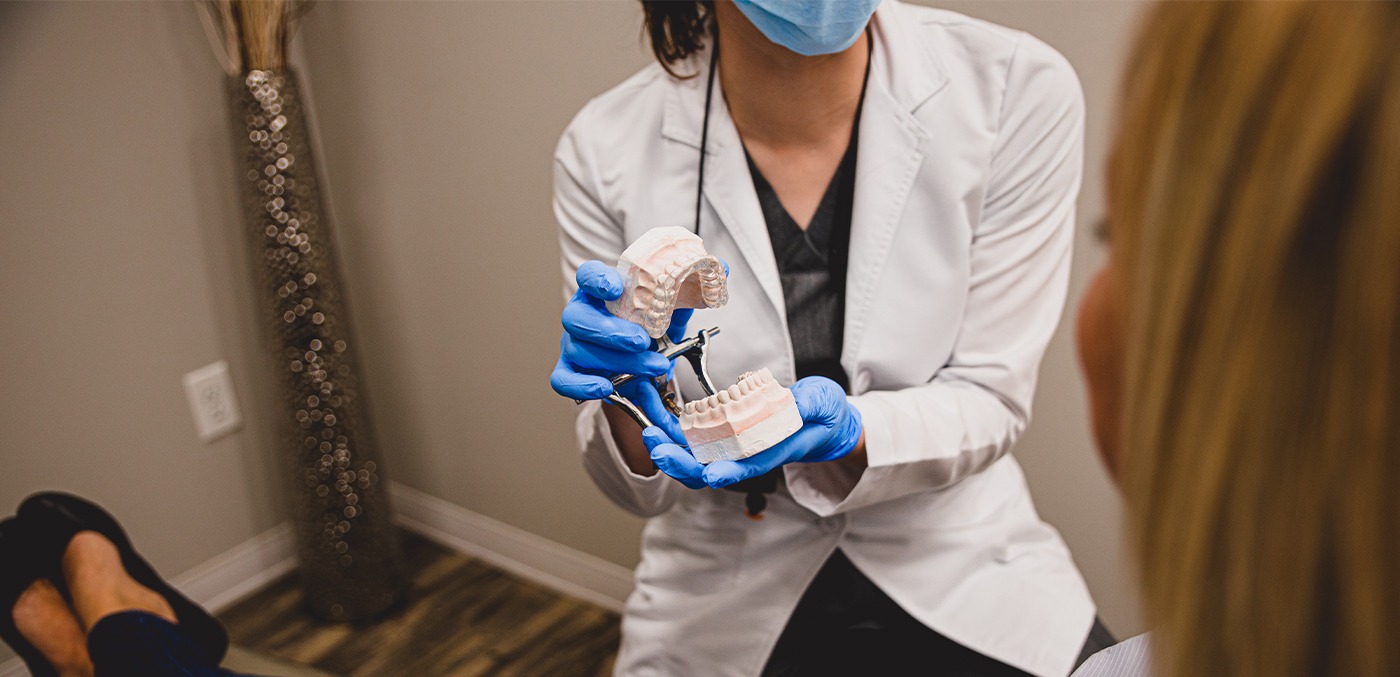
(520, 552)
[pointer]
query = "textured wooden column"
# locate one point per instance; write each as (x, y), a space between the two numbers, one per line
(351, 561)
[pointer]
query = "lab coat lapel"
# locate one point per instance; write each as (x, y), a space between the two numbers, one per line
(730, 192)
(728, 189)
(903, 76)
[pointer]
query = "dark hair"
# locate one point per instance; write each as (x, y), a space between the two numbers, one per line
(677, 28)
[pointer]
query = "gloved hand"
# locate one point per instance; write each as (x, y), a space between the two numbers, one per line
(672, 459)
(831, 429)
(597, 346)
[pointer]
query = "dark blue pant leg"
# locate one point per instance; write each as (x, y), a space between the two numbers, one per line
(138, 644)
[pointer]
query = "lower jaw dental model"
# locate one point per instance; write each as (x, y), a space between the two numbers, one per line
(740, 421)
(666, 269)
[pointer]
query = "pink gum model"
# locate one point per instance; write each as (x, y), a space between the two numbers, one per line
(748, 417)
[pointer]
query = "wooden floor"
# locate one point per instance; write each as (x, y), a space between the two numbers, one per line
(464, 617)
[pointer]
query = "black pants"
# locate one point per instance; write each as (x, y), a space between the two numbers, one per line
(138, 644)
(846, 625)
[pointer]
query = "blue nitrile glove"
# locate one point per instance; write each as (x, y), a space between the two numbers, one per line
(597, 346)
(831, 429)
(671, 459)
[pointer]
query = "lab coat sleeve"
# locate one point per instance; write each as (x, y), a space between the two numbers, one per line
(929, 437)
(588, 231)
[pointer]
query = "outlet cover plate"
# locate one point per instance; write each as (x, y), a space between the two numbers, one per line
(212, 402)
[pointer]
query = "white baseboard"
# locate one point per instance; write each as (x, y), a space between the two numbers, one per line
(227, 578)
(520, 552)
(219, 582)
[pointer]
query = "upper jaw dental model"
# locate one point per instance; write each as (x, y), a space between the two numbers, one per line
(668, 268)
(665, 269)
(740, 421)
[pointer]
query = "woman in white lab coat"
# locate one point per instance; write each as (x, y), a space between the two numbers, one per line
(899, 534)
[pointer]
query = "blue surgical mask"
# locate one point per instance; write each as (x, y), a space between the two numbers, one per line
(810, 27)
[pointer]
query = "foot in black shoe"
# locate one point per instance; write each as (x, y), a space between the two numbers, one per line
(43, 617)
(17, 573)
(55, 518)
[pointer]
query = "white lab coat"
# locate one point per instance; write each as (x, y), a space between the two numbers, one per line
(969, 163)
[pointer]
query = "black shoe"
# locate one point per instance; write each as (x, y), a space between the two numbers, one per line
(17, 572)
(54, 518)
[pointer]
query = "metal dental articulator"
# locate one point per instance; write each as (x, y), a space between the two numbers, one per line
(693, 350)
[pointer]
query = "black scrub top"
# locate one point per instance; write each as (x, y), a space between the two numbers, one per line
(812, 267)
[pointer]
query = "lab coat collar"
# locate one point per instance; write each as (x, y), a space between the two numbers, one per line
(904, 74)
(907, 67)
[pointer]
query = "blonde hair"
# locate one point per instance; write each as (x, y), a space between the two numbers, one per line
(1254, 194)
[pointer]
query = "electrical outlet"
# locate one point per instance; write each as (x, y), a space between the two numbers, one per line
(212, 403)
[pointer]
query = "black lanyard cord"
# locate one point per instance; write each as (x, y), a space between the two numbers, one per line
(705, 132)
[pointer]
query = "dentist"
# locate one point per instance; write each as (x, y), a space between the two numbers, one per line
(893, 190)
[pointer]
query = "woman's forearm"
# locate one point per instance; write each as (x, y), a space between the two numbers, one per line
(628, 436)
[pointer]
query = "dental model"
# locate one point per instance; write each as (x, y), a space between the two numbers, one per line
(665, 269)
(748, 417)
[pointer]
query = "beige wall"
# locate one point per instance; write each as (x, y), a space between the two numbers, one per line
(438, 123)
(122, 269)
(117, 267)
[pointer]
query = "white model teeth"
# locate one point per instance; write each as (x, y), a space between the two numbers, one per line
(665, 269)
(739, 421)
(756, 379)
